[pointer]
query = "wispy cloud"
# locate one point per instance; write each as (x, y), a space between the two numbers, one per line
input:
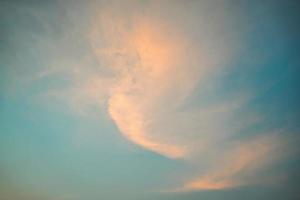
(157, 64)
(241, 165)
(155, 68)
(149, 60)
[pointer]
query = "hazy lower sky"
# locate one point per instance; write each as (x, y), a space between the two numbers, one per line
(149, 100)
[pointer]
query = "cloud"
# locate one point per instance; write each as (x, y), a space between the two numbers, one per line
(156, 68)
(241, 165)
(157, 62)
(145, 61)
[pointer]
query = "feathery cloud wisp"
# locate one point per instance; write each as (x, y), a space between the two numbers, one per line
(151, 62)
(155, 69)
(156, 66)
(240, 165)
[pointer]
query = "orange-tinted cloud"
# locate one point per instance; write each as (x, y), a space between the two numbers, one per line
(144, 59)
(154, 61)
(154, 67)
(240, 166)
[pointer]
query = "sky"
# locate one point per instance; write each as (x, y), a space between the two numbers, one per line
(149, 100)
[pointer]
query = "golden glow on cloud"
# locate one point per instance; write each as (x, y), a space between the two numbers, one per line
(207, 184)
(131, 123)
(143, 59)
(239, 165)
(158, 69)
(152, 67)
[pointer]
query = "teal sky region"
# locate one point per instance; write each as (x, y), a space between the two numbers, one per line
(144, 100)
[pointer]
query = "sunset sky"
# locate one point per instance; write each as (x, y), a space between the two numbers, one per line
(149, 100)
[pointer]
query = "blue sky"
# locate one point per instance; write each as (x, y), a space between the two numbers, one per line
(149, 100)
